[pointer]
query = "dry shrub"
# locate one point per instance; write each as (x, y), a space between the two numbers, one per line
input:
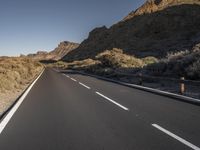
(193, 71)
(183, 63)
(115, 58)
(108, 61)
(150, 60)
(84, 64)
(17, 72)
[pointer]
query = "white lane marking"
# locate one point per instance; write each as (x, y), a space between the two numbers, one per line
(84, 85)
(7, 118)
(176, 137)
(66, 75)
(73, 79)
(112, 101)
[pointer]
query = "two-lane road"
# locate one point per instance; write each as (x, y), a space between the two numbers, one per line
(76, 112)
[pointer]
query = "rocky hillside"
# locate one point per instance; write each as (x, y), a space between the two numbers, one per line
(59, 52)
(38, 56)
(62, 49)
(155, 29)
(156, 5)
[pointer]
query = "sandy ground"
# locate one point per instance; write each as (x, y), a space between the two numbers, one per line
(7, 99)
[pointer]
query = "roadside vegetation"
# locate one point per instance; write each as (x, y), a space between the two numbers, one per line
(117, 65)
(184, 63)
(107, 62)
(15, 75)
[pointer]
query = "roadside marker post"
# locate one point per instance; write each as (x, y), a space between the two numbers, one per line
(182, 86)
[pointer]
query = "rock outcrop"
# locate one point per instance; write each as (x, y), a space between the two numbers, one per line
(62, 50)
(156, 5)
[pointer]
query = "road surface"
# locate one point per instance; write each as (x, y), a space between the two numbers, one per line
(76, 112)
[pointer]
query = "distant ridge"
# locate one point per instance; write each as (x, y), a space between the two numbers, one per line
(62, 49)
(59, 52)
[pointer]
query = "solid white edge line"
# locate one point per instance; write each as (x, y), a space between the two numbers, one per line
(162, 92)
(121, 106)
(73, 79)
(176, 137)
(84, 85)
(7, 118)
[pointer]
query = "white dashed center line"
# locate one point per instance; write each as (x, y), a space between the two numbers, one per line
(67, 76)
(84, 85)
(176, 137)
(154, 125)
(112, 101)
(73, 79)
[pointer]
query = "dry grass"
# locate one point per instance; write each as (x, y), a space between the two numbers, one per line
(83, 64)
(15, 75)
(108, 61)
(75, 64)
(115, 58)
(183, 63)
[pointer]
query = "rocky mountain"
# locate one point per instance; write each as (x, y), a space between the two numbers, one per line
(157, 28)
(59, 52)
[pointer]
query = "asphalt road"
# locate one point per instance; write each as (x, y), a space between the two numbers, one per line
(77, 112)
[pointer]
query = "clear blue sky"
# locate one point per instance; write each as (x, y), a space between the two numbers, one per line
(27, 26)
